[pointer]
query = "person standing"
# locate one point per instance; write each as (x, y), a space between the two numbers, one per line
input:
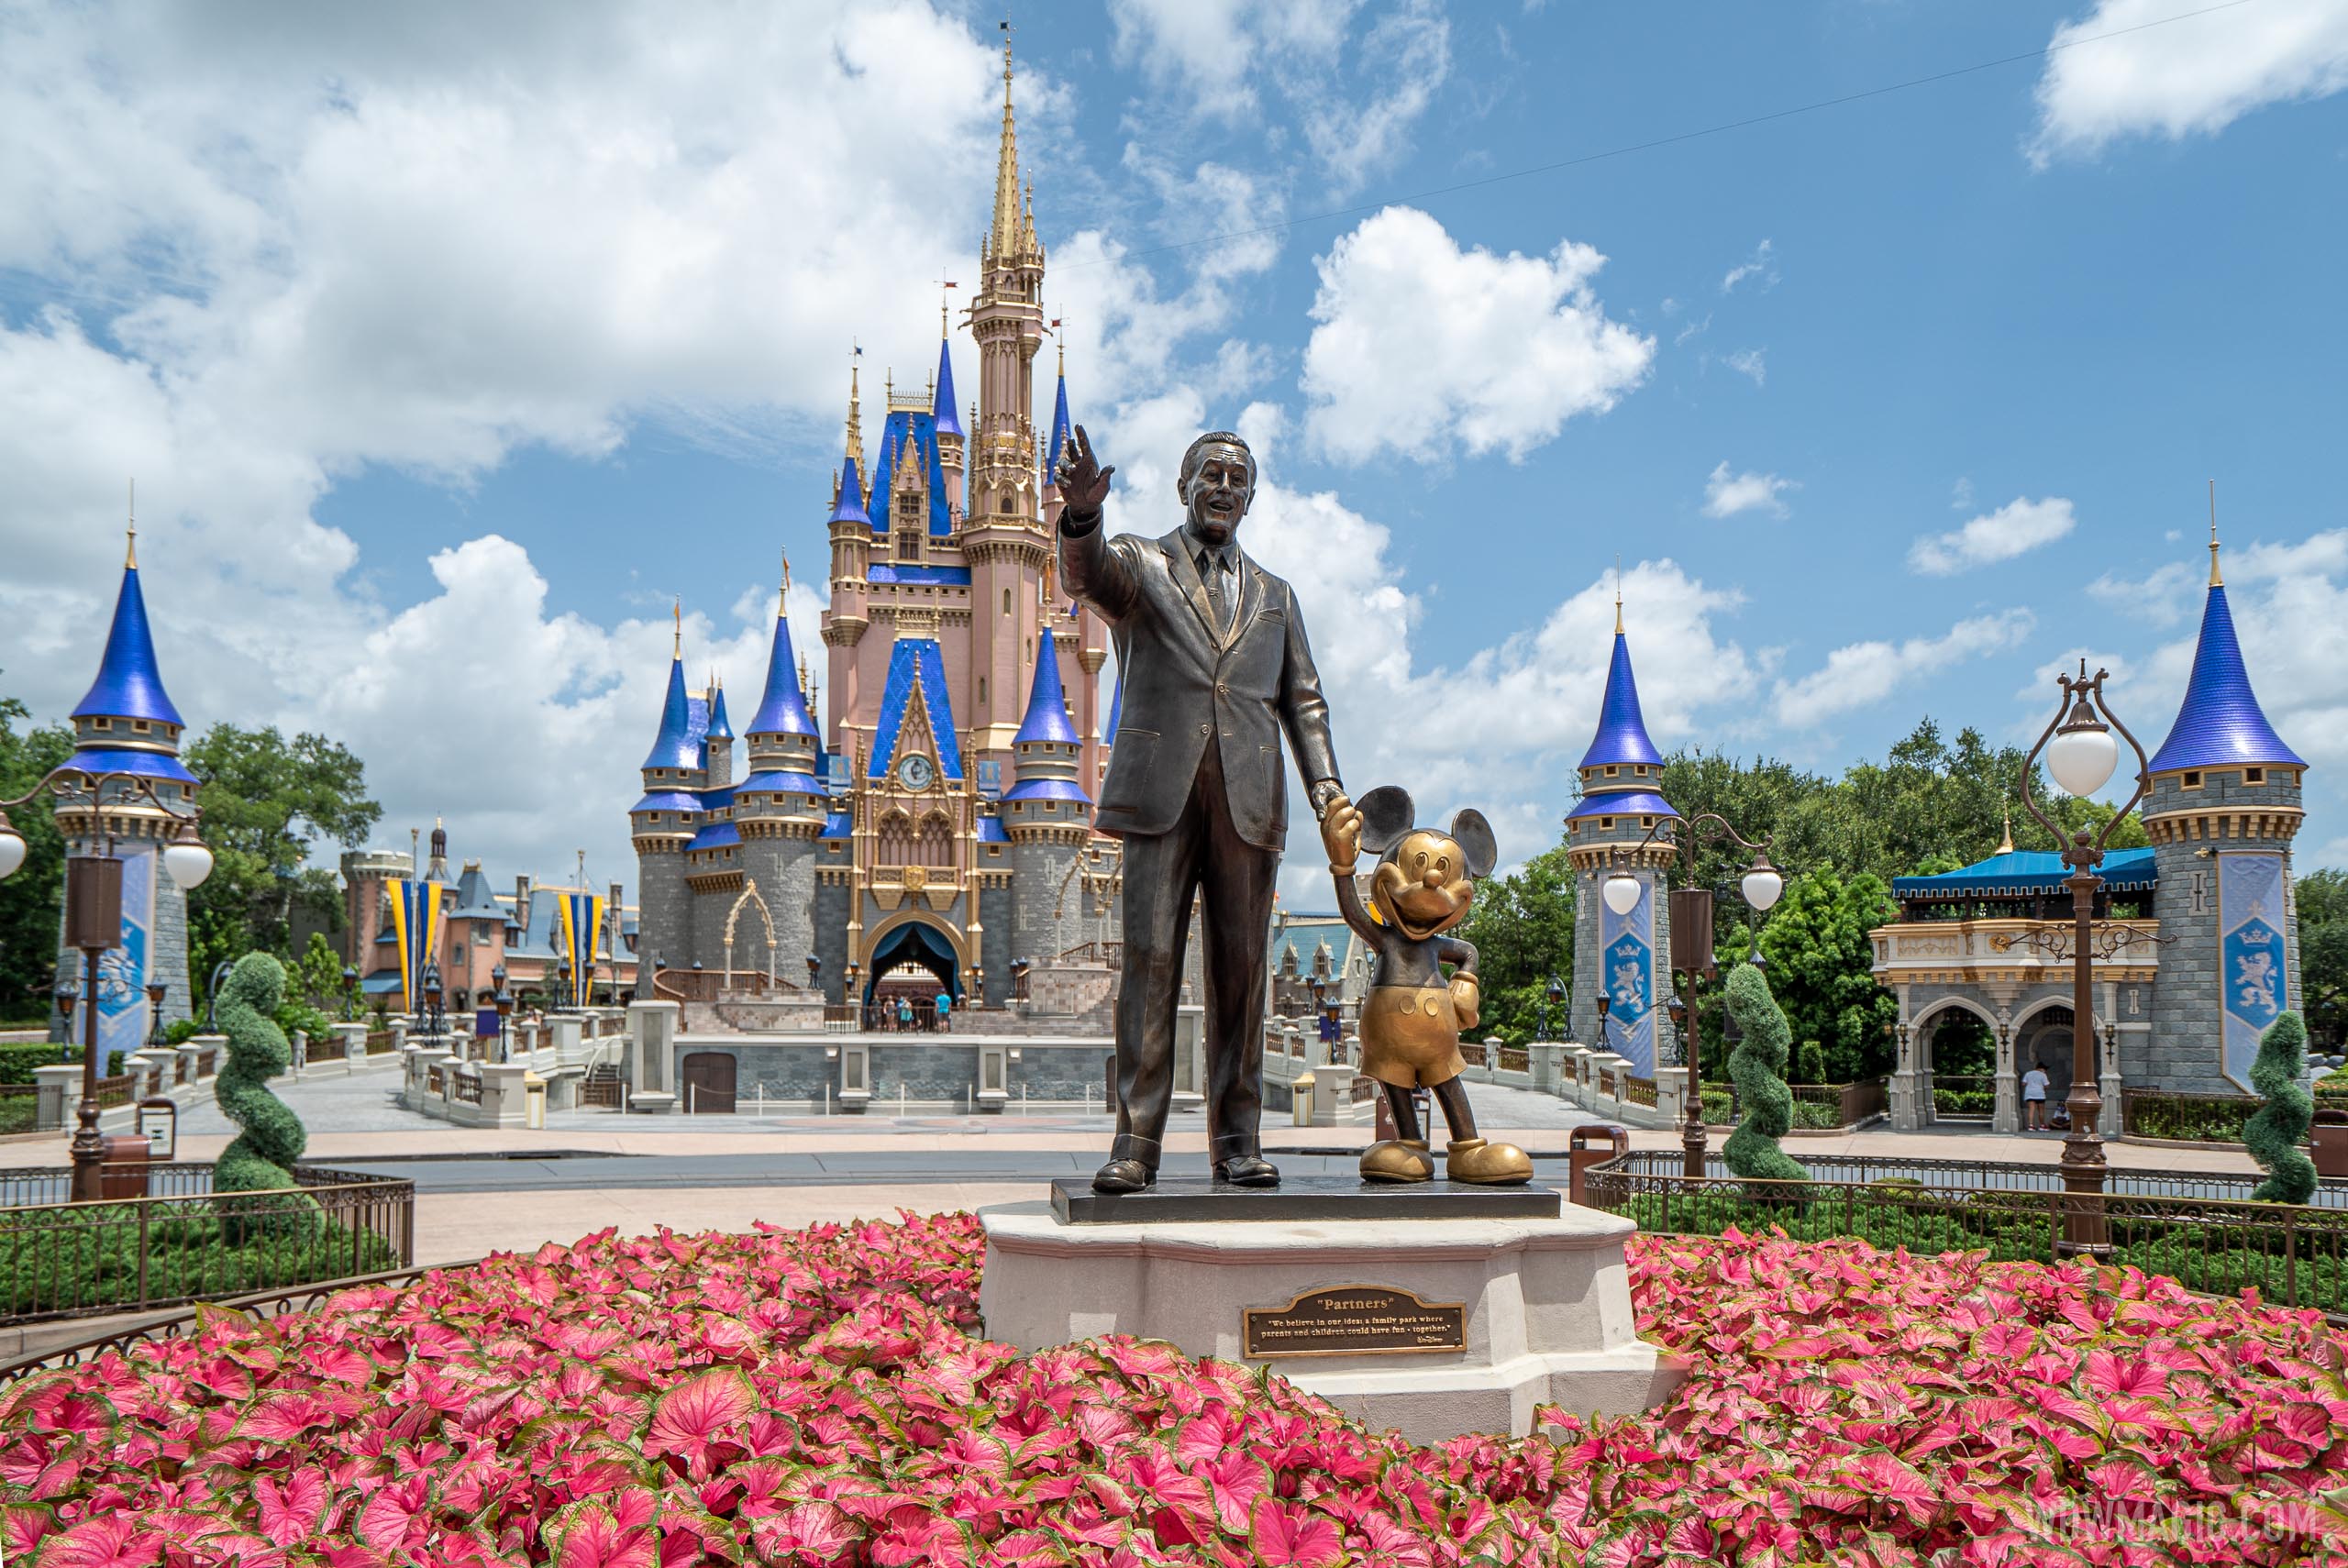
(2033, 1098)
(1216, 667)
(944, 1012)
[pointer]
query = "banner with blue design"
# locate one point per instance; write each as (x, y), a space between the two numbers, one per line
(415, 930)
(2253, 961)
(1626, 970)
(582, 923)
(123, 1009)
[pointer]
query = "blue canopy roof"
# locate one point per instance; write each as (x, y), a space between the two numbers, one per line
(784, 709)
(1621, 736)
(909, 655)
(933, 576)
(1046, 717)
(720, 727)
(2022, 872)
(667, 801)
(716, 836)
(849, 507)
(1059, 433)
(678, 745)
(941, 407)
(839, 825)
(1047, 789)
(145, 764)
(908, 427)
(776, 782)
(129, 683)
(2221, 724)
(1622, 803)
(991, 831)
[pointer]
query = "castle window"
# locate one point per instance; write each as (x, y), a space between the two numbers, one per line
(102, 724)
(1611, 770)
(1606, 821)
(2253, 775)
(982, 687)
(1646, 821)
(138, 727)
(1006, 601)
(2190, 781)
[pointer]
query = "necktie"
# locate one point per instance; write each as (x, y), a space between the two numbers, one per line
(1218, 596)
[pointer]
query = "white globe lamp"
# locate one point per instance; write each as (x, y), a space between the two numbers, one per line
(12, 847)
(1622, 892)
(1763, 885)
(2083, 753)
(187, 860)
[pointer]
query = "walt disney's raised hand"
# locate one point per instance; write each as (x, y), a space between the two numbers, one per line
(1084, 484)
(1341, 834)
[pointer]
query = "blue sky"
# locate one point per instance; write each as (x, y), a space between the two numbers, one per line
(446, 351)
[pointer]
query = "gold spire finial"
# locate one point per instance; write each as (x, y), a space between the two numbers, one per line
(786, 583)
(2215, 579)
(1004, 236)
(855, 419)
(130, 544)
(1618, 596)
(677, 645)
(2006, 843)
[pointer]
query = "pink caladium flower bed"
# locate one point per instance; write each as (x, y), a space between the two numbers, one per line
(817, 1397)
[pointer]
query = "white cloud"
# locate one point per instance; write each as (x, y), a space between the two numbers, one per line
(1695, 328)
(1862, 674)
(1750, 362)
(1726, 494)
(1356, 105)
(1757, 265)
(2015, 528)
(2196, 75)
(1420, 344)
(2162, 597)
(1960, 495)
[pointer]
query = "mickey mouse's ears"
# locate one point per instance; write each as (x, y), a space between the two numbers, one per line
(1473, 835)
(1386, 817)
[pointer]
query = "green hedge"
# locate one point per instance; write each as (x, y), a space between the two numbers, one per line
(87, 1255)
(2199, 1119)
(1965, 1101)
(17, 1062)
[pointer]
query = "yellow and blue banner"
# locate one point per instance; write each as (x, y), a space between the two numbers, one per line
(582, 926)
(416, 931)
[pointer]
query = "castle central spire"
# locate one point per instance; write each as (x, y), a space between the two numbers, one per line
(1005, 233)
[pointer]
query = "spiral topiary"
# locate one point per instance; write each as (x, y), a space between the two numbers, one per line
(2277, 1129)
(1758, 1065)
(262, 1157)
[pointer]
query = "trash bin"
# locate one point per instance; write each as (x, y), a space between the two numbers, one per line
(534, 1090)
(1581, 1156)
(122, 1172)
(2328, 1143)
(1300, 1100)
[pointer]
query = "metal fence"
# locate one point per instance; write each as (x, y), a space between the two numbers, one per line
(2202, 1230)
(1823, 1106)
(323, 1048)
(185, 1241)
(1639, 1091)
(1964, 1097)
(379, 1041)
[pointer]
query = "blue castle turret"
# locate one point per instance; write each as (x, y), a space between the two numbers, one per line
(127, 723)
(1626, 956)
(2223, 808)
(671, 815)
(1047, 812)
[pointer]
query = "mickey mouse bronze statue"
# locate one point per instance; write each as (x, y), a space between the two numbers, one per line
(1411, 1018)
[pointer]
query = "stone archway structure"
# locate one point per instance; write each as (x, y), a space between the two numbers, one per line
(1916, 1066)
(751, 898)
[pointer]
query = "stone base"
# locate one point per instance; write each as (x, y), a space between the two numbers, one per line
(1547, 1306)
(652, 1102)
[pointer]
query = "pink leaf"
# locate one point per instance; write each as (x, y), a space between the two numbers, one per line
(1288, 1537)
(688, 1417)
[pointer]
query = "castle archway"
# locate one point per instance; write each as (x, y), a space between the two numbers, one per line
(915, 942)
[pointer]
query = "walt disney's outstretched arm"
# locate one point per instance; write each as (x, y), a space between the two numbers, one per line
(1093, 570)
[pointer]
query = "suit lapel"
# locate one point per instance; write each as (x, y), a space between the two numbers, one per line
(1251, 596)
(1186, 577)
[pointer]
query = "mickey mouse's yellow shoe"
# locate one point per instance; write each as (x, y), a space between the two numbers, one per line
(1486, 1164)
(1398, 1159)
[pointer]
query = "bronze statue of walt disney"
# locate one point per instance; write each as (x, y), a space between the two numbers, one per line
(1411, 1018)
(1216, 669)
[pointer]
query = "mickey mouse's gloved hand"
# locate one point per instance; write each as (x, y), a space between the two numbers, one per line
(1341, 835)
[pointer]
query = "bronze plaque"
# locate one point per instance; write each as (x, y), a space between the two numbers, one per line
(1354, 1320)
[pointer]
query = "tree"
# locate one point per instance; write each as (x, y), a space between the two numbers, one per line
(1522, 926)
(1821, 970)
(30, 899)
(1766, 1106)
(266, 802)
(2277, 1128)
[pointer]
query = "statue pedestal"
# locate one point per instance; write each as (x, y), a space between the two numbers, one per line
(1434, 1309)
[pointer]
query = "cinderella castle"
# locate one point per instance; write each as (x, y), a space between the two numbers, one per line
(939, 817)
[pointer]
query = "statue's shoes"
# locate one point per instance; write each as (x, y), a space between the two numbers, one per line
(1398, 1159)
(1123, 1175)
(1486, 1164)
(1248, 1170)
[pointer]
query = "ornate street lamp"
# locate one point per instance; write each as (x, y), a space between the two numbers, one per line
(93, 916)
(349, 992)
(67, 994)
(1553, 995)
(562, 981)
(2082, 755)
(1605, 1005)
(155, 993)
(432, 1024)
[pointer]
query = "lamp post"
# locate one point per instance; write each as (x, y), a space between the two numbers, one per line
(155, 991)
(93, 916)
(432, 1024)
(1552, 995)
(68, 993)
(1761, 886)
(2082, 755)
(349, 992)
(563, 982)
(1605, 1005)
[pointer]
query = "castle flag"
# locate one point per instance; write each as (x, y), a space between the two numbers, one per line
(583, 923)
